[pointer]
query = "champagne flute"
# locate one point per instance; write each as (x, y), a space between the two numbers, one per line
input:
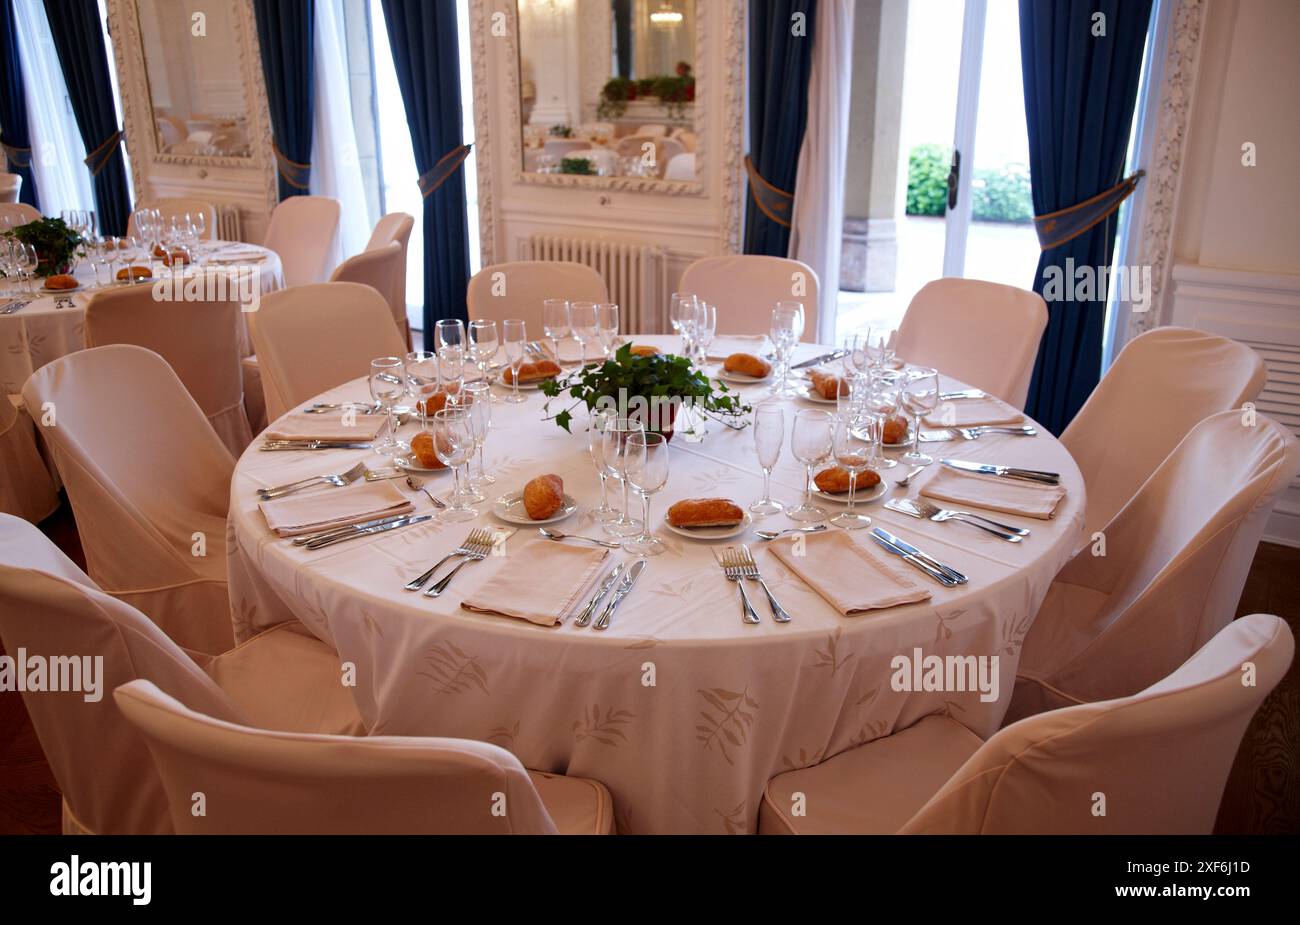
(614, 448)
(884, 398)
(387, 386)
(422, 380)
(477, 396)
(706, 325)
(555, 322)
(810, 443)
(585, 321)
(851, 446)
(920, 396)
(647, 473)
(607, 318)
(600, 419)
(451, 369)
(769, 433)
(785, 330)
(515, 341)
(453, 443)
(681, 313)
(465, 400)
(483, 340)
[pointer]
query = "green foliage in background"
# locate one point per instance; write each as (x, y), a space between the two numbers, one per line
(578, 165)
(998, 195)
(927, 179)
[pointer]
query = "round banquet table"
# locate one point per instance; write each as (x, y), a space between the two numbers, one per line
(637, 706)
(49, 327)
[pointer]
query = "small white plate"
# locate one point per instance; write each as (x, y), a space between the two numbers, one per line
(862, 496)
(711, 533)
(411, 464)
(76, 288)
(510, 507)
(740, 378)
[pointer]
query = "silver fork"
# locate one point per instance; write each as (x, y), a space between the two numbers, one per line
(339, 481)
(932, 511)
(750, 567)
(476, 537)
(477, 553)
(731, 570)
(974, 433)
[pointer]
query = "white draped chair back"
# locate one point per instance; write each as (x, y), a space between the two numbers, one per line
(149, 482)
(681, 167)
(11, 185)
(666, 149)
(200, 340)
(517, 290)
(985, 334)
(746, 287)
(27, 488)
(304, 233)
(1162, 384)
(1176, 559)
(275, 782)
(171, 206)
(312, 338)
(652, 131)
(563, 147)
(19, 213)
(378, 269)
(396, 226)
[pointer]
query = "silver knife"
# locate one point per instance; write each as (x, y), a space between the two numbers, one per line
(347, 528)
(824, 358)
(273, 445)
(964, 393)
(1006, 472)
(940, 576)
(381, 528)
(629, 580)
(924, 557)
(606, 583)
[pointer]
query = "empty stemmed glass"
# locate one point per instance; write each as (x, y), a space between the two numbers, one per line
(387, 386)
(785, 331)
(600, 419)
(607, 318)
(920, 395)
(614, 449)
(482, 345)
(555, 322)
(477, 397)
(851, 439)
(26, 261)
(810, 443)
(706, 325)
(515, 341)
(883, 397)
(769, 434)
(422, 381)
(585, 321)
(647, 473)
(453, 443)
(681, 313)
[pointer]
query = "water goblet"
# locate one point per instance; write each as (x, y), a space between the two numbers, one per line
(810, 444)
(647, 473)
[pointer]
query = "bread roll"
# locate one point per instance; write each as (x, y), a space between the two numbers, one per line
(705, 512)
(835, 480)
(644, 350)
(532, 372)
(60, 281)
(827, 385)
(422, 448)
(746, 364)
(432, 404)
(543, 496)
(135, 273)
(895, 431)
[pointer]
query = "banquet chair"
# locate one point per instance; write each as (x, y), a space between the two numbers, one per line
(10, 186)
(652, 130)
(396, 226)
(26, 486)
(312, 338)
(1161, 385)
(149, 483)
(983, 334)
(1175, 560)
(18, 213)
(525, 284)
(746, 287)
(266, 782)
(304, 233)
(280, 679)
(379, 268)
(1154, 763)
(681, 167)
(200, 340)
(170, 206)
(666, 149)
(563, 147)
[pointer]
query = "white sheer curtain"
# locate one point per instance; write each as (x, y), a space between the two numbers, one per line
(58, 154)
(335, 166)
(818, 222)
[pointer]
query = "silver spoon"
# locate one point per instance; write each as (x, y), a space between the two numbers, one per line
(419, 486)
(556, 535)
(773, 534)
(911, 473)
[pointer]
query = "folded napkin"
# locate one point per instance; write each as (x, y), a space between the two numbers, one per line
(993, 492)
(973, 412)
(303, 426)
(540, 582)
(850, 577)
(335, 507)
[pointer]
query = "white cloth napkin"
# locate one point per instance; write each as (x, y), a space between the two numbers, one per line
(540, 582)
(303, 426)
(973, 412)
(850, 577)
(334, 507)
(994, 493)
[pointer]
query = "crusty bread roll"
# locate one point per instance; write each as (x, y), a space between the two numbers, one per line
(422, 449)
(835, 480)
(644, 350)
(828, 386)
(431, 404)
(543, 496)
(135, 273)
(705, 512)
(532, 372)
(60, 281)
(179, 257)
(746, 364)
(895, 431)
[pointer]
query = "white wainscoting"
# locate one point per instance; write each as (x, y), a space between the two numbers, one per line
(1261, 310)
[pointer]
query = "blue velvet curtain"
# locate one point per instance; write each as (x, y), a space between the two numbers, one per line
(1080, 92)
(427, 60)
(779, 64)
(83, 58)
(15, 140)
(285, 31)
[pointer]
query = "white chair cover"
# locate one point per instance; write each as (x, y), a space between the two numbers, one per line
(665, 150)
(652, 131)
(264, 782)
(1176, 559)
(201, 341)
(686, 137)
(1160, 386)
(1154, 763)
(681, 167)
(20, 213)
(149, 482)
(26, 486)
(745, 287)
(985, 334)
(396, 226)
(171, 206)
(379, 268)
(312, 338)
(304, 233)
(563, 147)
(524, 286)
(11, 185)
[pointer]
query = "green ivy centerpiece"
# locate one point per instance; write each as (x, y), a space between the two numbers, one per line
(55, 243)
(652, 389)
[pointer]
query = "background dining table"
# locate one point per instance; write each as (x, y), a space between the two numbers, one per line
(680, 708)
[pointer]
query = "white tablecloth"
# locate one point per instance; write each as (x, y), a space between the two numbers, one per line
(683, 711)
(47, 329)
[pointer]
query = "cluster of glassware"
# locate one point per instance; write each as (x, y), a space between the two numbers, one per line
(586, 322)
(622, 449)
(697, 323)
(784, 331)
(18, 261)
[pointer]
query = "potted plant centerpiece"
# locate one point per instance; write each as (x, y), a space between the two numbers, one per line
(55, 243)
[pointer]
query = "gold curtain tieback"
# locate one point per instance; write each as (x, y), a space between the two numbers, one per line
(1056, 228)
(440, 172)
(295, 174)
(98, 159)
(773, 202)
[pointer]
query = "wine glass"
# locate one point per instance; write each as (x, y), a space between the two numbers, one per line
(477, 396)
(422, 381)
(555, 322)
(453, 443)
(785, 331)
(515, 342)
(851, 438)
(614, 449)
(596, 450)
(706, 325)
(451, 369)
(585, 321)
(607, 317)
(876, 346)
(810, 443)
(482, 346)
(387, 386)
(647, 473)
(96, 254)
(920, 395)
(450, 332)
(681, 314)
(26, 262)
(885, 399)
(769, 433)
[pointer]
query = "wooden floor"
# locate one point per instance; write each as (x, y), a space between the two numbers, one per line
(1262, 796)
